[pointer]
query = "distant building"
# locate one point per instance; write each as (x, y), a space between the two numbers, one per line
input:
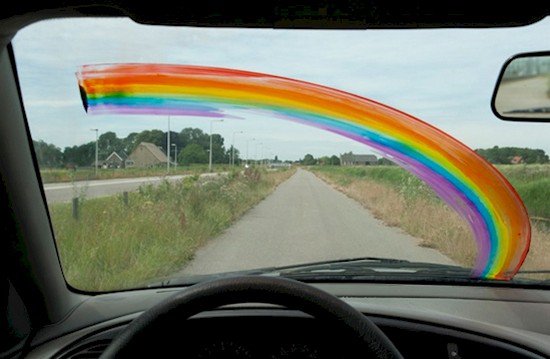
(278, 165)
(516, 160)
(114, 160)
(351, 159)
(146, 155)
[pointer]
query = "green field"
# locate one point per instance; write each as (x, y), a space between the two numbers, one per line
(114, 246)
(54, 175)
(399, 199)
(532, 182)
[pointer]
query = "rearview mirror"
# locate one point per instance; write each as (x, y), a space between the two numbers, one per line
(522, 92)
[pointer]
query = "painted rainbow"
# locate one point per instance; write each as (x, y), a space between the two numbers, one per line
(469, 184)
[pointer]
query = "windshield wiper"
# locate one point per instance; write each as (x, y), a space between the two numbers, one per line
(193, 279)
(394, 270)
(374, 269)
(267, 271)
(365, 268)
(359, 269)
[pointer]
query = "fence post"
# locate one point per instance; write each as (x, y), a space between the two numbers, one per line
(125, 198)
(75, 208)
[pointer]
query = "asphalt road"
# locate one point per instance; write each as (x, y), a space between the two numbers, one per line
(523, 94)
(64, 192)
(305, 220)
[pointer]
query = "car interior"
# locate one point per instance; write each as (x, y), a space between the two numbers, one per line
(243, 316)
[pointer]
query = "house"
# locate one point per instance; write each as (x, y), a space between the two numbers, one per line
(146, 155)
(516, 160)
(351, 159)
(114, 160)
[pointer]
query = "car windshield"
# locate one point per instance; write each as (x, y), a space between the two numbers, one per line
(171, 155)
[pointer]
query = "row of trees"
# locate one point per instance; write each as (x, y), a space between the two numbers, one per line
(334, 160)
(505, 155)
(496, 155)
(192, 144)
(309, 160)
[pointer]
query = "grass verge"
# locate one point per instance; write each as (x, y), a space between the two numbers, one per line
(114, 246)
(56, 175)
(401, 200)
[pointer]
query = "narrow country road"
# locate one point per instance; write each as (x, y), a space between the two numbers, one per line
(64, 192)
(305, 220)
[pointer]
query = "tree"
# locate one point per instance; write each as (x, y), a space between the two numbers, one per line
(48, 155)
(108, 143)
(83, 155)
(324, 160)
(236, 155)
(335, 160)
(193, 135)
(192, 153)
(129, 142)
(219, 154)
(328, 161)
(504, 155)
(190, 135)
(157, 137)
(309, 160)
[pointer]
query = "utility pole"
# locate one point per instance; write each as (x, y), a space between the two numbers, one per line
(96, 148)
(168, 147)
(256, 151)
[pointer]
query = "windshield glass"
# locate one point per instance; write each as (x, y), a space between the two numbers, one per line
(172, 154)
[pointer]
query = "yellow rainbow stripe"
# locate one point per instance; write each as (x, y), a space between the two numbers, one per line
(468, 183)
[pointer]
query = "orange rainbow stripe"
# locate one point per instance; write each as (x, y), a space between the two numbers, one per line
(468, 183)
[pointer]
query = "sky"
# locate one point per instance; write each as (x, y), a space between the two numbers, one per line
(443, 76)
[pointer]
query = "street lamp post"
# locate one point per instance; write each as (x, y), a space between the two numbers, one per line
(261, 154)
(210, 153)
(233, 148)
(96, 148)
(175, 154)
(256, 151)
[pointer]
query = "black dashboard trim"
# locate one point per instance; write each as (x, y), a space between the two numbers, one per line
(455, 332)
(379, 320)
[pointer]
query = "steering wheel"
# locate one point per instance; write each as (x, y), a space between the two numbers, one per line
(136, 339)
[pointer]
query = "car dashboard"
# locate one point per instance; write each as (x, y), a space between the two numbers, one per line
(422, 321)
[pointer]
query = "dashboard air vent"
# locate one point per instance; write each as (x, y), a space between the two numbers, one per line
(90, 350)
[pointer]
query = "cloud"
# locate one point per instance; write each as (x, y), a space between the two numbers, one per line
(445, 77)
(53, 103)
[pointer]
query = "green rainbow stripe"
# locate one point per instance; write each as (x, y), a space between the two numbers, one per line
(469, 184)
